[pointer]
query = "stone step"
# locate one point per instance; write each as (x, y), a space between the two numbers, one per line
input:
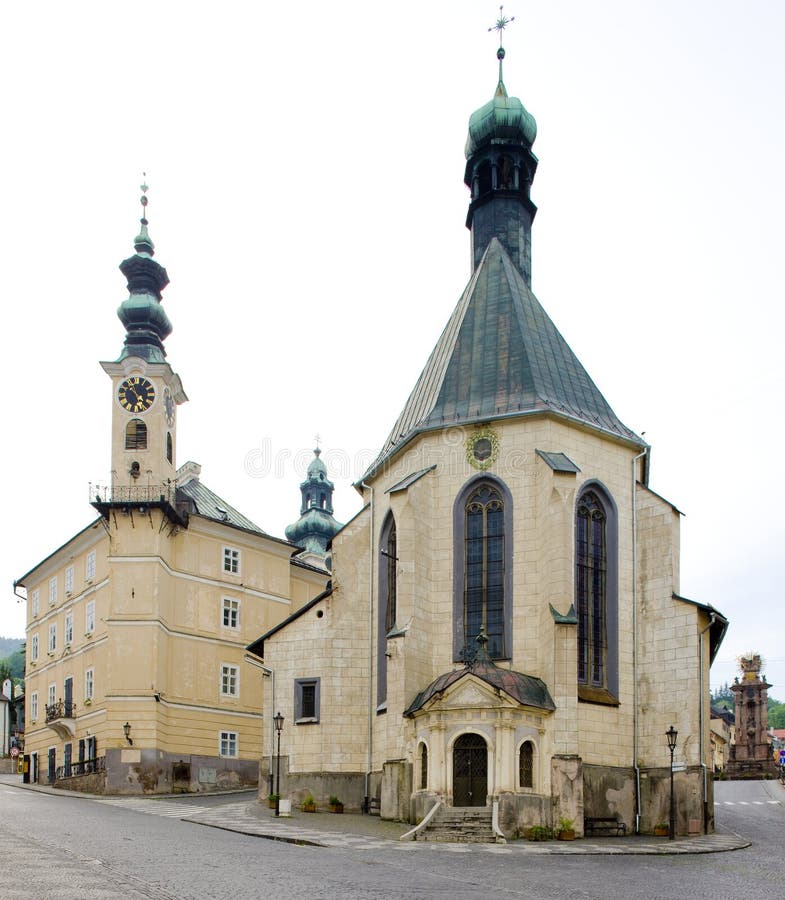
(461, 825)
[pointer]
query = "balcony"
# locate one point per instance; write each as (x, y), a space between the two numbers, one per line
(60, 718)
(139, 499)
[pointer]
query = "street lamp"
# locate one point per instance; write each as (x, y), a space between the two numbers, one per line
(671, 734)
(127, 733)
(278, 722)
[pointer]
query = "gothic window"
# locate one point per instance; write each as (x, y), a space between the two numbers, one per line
(136, 435)
(169, 451)
(388, 602)
(526, 765)
(484, 554)
(595, 596)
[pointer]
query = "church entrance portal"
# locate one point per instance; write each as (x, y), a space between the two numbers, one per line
(470, 771)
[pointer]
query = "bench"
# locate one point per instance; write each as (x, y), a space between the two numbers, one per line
(371, 805)
(597, 825)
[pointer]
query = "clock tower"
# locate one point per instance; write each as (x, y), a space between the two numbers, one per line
(145, 390)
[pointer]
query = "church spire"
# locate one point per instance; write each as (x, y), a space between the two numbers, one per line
(316, 525)
(500, 169)
(146, 323)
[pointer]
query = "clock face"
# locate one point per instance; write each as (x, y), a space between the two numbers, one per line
(169, 407)
(136, 394)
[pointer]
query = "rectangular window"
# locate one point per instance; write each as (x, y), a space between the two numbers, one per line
(35, 602)
(231, 613)
(90, 566)
(306, 700)
(231, 561)
(34, 648)
(227, 743)
(69, 629)
(230, 681)
(52, 637)
(89, 617)
(52, 694)
(88, 684)
(69, 580)
(34, 705)
(52, 591)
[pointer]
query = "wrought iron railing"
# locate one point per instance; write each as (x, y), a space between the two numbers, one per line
(133, 493)
(85, 767)
(59, 710)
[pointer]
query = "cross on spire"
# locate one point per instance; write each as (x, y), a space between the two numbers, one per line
(501, 23)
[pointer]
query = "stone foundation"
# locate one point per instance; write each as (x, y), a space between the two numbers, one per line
(130, 771)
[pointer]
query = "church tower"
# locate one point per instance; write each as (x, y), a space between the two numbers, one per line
(145, 390)
(316, 526)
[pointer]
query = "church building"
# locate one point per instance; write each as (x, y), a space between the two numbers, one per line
(503, 629)
(137, 625)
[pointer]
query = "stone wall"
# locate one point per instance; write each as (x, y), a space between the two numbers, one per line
(155, 772)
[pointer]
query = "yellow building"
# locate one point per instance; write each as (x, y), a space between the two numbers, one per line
(137, 625)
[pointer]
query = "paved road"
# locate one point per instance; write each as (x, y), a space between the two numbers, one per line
(64, 847)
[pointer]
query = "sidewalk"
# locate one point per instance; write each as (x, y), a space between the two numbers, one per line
(363, 832)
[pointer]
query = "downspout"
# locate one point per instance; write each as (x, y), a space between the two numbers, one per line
(636, 767)
(701, 716)
(271, 674)
(370, 651)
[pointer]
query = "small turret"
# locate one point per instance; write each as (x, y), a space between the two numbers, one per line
(316, 526)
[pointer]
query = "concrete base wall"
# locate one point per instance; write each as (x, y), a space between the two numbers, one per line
(688, 800)
(396, 790)
(348, 787)
(609, 791)
(517, 812)
(131, 771)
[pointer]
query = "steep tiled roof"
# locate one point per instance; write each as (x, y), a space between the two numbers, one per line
(501, 355)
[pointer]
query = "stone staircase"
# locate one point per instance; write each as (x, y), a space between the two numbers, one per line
(460, 825)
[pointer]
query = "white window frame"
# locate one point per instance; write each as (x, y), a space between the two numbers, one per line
(230, 610)
(52, 694)
(34, 648)
(69, 580)
(230, 680)
(231, 560)
(53, 591)
(35, 602)
(227, 742)
(68, 637)
(89, 684)
(89, 617)
(34, 706)
(52, 645)
(89, 566)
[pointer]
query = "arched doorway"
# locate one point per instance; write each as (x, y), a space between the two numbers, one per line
(470, 771)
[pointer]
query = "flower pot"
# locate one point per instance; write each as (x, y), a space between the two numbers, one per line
(661, 831)
(336, 807)
(568, 834)
(308, 807)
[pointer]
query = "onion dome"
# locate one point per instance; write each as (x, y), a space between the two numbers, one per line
(145, 320)
(316, 526)
(503, 119)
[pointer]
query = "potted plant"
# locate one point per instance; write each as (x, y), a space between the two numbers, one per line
(565, 830)
(539, 833)
(661, 829)
(335, 804)
(272, 799)
(308, 804)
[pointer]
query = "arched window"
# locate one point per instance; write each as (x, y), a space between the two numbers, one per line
(169, 451)
(423, 767)
(484, 177)
(506, 170)
(526, 765)
(595, 596)
(482, 522)
(136, 435)
(388, 600)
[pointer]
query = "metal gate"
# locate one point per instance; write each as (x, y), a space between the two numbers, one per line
(470, 771)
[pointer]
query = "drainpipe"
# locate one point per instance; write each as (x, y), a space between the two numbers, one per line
(701, 717)
(636, 767)
(271, 674)
(370, 652)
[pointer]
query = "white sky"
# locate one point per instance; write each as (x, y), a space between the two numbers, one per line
(306, 171)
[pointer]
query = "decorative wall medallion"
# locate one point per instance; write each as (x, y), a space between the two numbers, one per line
(482, 448)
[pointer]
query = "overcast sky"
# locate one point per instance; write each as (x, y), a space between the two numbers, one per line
(305, 164)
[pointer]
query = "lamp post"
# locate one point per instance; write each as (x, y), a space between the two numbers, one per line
(278, 720)
(127, 733)
(671, 734)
